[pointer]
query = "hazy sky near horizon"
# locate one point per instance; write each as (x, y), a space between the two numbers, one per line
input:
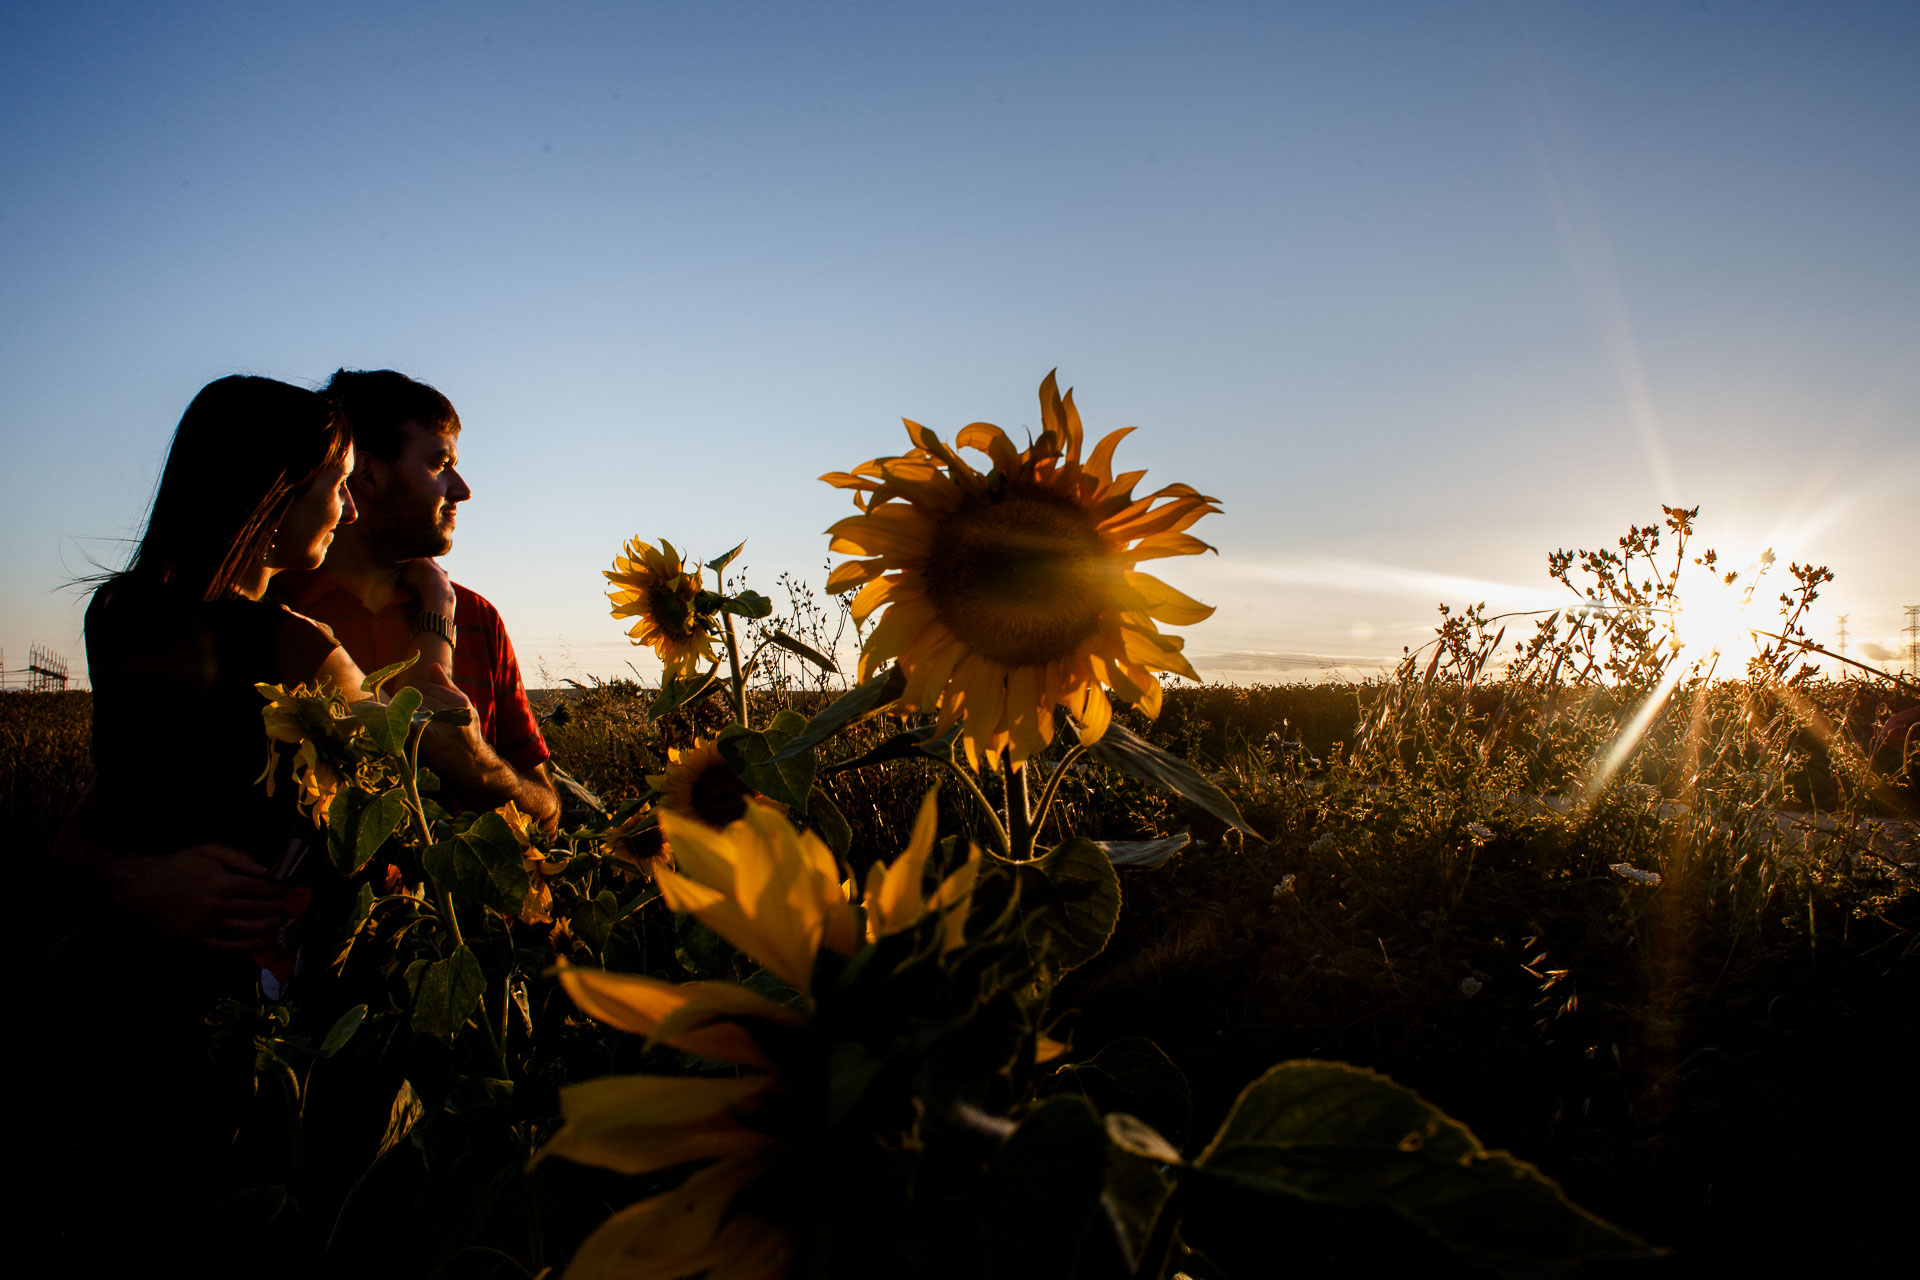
(1419, 291)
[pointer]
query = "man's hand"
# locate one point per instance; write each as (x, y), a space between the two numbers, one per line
(207, 894)
(431, 586)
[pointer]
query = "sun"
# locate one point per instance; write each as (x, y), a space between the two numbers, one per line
(1715, 619)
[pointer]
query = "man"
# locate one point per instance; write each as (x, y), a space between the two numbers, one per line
(380, 585)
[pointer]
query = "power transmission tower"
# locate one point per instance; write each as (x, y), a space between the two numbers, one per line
(1913, 639)
(46, 670)
(1843, 634)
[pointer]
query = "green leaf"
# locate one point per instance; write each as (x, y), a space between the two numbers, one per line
(343, 1028)
(826, 818)
(1071, 901)
(682, 691)
(373, 681)
(1041, 1190)
(381, 819)
(448, 993)
(854, 705)
(482, 864)
(400, 720)
(807, 651)
(1122, 749)
(498, 850)
(1143, 854)
(787, 725)
(1338, 1134)
(1135, 1194)
(909, 744)
(774, 775)
(720, 562)
(356, 921)
(747, 604)
(343, 823)
(1134, 1075)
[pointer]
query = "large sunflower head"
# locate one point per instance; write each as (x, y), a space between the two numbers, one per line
(1013, 590)
(653, 588)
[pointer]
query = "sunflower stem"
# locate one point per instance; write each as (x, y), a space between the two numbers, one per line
(1019, 814)
(1053, 785)
(980, 799)
(733, 659)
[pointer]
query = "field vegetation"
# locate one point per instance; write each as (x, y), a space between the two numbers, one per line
(1014, 955)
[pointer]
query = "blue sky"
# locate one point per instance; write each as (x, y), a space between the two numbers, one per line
(1419, 291)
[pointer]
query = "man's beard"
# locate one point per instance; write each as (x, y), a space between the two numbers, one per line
(416, 536)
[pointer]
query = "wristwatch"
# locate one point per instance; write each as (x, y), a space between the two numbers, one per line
(438, 624)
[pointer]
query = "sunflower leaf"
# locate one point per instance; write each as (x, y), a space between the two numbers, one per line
(373, 682)
(747, 604)
(720, 562)
(1122, 749)
(1134, 1075)
(1041, 1190)
(378, 821)
(775, 775)
(1145, 854)
(449, 991)
(1333, 1133)
(1071, 901)
(911, 743)
(342, 1031)
(855, 704)
(807, 651)
(826, 818)
(682, 691)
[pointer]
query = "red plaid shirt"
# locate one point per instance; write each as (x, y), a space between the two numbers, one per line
(484, 666)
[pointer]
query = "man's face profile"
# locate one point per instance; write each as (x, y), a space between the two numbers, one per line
(407, 505)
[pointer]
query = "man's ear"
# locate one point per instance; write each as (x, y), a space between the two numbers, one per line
(369, 478)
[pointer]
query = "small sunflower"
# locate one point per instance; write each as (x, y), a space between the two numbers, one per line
(700, 784)
(775, 893)
(651, 587)
(1013, 591)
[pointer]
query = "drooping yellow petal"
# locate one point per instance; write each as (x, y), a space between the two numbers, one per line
(636, 1124)
(642, 1006)
(669, 1236)
(896, 901)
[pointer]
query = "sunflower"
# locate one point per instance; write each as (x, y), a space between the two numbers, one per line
(700, 784)
(652, 588)
(1011, 591)
(774, 893)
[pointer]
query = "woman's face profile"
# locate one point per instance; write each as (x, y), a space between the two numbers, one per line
(306, 532)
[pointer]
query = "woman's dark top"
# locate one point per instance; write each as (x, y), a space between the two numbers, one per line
(178, 740)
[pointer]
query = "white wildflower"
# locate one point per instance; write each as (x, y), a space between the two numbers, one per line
(1471, 987)
(1630, 872)
(1480, 832)
(1322, 843)
(1282, 889)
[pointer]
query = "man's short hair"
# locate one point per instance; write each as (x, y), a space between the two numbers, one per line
(379, 403)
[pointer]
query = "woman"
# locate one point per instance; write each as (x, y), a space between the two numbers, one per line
(255, 482)
(192, 852)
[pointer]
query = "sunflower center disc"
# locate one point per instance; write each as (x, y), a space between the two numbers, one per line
(719, 798)
(1022, 581)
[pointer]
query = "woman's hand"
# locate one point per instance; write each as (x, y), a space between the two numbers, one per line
(207, 894)
(431, 586)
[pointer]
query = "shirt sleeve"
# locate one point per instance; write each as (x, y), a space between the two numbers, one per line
(516, 734)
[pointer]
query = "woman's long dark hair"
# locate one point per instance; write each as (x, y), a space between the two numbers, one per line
(245, 448)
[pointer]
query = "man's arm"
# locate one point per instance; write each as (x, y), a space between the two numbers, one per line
(483, 780)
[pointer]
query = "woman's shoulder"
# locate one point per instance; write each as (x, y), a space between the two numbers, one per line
(304, 643)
